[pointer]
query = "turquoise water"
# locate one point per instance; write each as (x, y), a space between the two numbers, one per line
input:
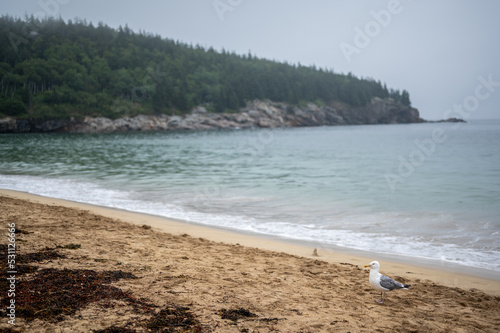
(420, 190)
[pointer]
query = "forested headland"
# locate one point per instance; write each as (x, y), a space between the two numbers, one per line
(55, 69)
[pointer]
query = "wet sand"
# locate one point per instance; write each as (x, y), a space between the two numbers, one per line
(217, 281)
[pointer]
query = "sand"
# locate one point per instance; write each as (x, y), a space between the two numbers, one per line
(129, 272)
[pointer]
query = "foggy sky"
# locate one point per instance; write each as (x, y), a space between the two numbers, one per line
(446, 53)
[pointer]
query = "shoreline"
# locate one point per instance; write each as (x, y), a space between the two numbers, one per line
(447, 274)
(95, 269)
(256, 114)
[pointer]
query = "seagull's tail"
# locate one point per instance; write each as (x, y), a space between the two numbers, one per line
(406, 286)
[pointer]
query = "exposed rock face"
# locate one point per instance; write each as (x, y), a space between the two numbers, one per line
(264, 114)
(12, 125)
(7, 125)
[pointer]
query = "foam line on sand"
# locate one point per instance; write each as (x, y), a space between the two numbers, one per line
(93, 268)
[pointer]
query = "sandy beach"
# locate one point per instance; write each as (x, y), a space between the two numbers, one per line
(84, 268)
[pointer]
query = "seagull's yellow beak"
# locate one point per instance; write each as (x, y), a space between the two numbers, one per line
(366, 266)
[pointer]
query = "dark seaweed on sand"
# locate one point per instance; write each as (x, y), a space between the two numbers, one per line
(22, 261)
(21, 266)
(71, 246)
(236, 314)
(43, 255)
(174, 319)
(115, 329)
(52, 293)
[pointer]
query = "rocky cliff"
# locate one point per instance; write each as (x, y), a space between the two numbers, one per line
(263, 114)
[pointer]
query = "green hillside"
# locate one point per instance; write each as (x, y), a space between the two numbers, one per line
(56, 69)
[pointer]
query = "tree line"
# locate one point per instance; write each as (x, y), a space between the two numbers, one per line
(53, 68)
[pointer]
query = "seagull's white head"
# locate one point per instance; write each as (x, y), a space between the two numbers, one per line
(373, 265)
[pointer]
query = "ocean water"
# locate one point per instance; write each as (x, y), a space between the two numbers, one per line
(419, 190)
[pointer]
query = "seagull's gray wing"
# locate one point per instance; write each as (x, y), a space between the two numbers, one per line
(388, 283)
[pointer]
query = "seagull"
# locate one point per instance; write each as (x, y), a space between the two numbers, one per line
(382, 282)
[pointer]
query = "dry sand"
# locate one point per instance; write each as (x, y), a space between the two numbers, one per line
(191, 278)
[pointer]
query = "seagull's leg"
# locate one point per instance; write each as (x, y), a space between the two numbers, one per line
(382, 297)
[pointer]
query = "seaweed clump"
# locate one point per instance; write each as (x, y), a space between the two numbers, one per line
(45, 254)
(71, 246)
(52, 293)
(20, 265)
(236, 314)
(115, 329)
(174, 319)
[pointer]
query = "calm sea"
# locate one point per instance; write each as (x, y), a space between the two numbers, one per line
(421, 190)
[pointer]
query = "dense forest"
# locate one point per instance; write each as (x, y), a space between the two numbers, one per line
(57, 69)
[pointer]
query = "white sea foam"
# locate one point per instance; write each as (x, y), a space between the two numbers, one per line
(360, 235)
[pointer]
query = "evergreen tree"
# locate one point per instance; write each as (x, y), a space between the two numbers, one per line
(405, 98)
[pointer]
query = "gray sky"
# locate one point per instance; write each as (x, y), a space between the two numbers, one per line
(446, 53)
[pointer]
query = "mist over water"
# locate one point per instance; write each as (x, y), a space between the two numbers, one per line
(419, 190)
